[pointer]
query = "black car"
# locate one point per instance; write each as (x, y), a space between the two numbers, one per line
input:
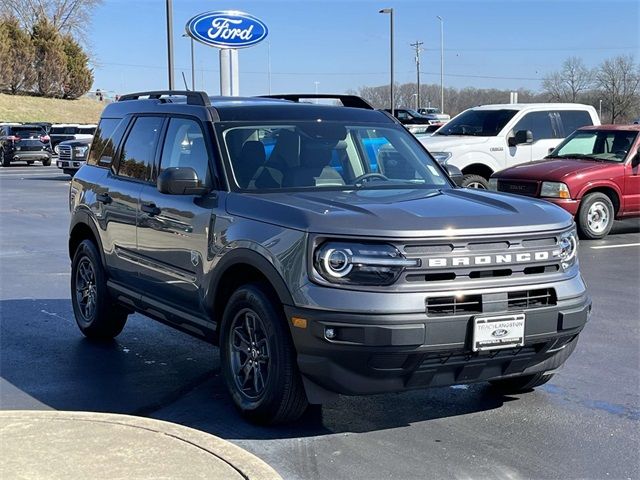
(26, 143)
(321, 247)
(409, 117)
(72, 154)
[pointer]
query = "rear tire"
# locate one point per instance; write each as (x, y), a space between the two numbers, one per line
(595, 216)
(30, 162)
(475, 181)
(97, 315)
(258, 358)
(46, 163)
(521, 384)
(5, 159)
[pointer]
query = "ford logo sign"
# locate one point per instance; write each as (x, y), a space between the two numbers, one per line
(501, 332)
(227, 29)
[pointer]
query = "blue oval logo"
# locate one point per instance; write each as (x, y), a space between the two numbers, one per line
(227, 29)
(501, 332)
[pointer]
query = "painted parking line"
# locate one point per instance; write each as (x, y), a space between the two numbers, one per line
(622, 245)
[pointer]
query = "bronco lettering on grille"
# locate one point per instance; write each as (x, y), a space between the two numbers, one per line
(506, 259)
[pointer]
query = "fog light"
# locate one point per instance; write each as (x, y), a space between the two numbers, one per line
(329, 333)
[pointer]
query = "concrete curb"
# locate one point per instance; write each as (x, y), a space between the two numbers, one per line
(20, 429)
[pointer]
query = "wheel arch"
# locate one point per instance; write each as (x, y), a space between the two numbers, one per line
(240, 267)
(610, 190)
(83, 228)
(481, 169)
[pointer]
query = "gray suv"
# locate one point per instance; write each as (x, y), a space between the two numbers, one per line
(321, 247)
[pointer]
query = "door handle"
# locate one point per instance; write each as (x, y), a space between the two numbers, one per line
(151, 209)
(104, 198)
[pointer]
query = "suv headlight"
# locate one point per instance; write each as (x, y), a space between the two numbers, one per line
(554, 190)
(493, 184)
(359, 263)
(568, 245)
(80, 151)
(441, 157)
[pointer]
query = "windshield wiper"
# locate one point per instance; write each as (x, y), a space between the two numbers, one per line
(578, 156)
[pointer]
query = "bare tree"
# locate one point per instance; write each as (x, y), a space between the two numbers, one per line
(66, 16)
(618, 80)
(567, 84)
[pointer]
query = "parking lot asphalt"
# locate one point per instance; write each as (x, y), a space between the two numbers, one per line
(583, 424)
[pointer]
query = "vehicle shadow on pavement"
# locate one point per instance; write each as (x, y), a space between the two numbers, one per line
(153, 371)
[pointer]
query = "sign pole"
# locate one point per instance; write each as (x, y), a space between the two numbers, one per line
(170, 43)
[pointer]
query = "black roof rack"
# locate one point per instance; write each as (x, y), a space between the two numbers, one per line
(352, 101)
(193, 98)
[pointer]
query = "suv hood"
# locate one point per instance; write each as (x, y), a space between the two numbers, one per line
(81, 142)
(555, 169)
(400, 213)
(445, 143)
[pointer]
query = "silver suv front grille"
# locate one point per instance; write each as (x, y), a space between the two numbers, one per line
(473, 262)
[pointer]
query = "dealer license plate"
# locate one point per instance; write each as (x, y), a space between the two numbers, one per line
(498, 331)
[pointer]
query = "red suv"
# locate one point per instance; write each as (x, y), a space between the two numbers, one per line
(593, 174)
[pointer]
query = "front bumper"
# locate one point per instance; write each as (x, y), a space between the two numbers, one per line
(73, 165)
(569, 205)
(376, 353)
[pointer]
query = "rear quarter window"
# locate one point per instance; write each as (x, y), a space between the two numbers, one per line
(573, 120)
(105, 141)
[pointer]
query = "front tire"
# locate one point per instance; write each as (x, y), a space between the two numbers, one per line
(521, 384)
(475, 181)
(30, 162)
(97, 316)
(595, 216)
(259, 360)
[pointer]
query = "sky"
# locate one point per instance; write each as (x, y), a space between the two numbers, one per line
(344, 45)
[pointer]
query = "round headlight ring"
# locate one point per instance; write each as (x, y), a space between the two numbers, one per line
(337, 262)
(568, 247)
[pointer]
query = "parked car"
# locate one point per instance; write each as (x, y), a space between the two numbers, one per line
(69, 131)
(72, 154)
(435, 115)
(412, 120)
(593, 174)
(483, 140)
(24, 142)
(314, 280)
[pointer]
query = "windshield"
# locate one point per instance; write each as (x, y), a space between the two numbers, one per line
(478, 123)
(609, 145)
(328, 155)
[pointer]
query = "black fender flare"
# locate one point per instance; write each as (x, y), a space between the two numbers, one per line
(254, 259)
(83, 217)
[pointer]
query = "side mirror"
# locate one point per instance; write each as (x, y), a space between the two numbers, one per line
(521, 137)
(455, 174)
(180, 181)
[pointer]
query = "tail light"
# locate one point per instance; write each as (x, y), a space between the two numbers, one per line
(13, 138)
(44, 138)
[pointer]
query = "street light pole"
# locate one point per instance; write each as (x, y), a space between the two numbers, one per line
(170, 43)
(193, 64)
(441, 63)
(390, 12)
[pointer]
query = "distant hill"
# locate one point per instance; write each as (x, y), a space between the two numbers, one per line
(17, 108)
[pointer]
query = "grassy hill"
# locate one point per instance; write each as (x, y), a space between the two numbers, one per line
(17, 108)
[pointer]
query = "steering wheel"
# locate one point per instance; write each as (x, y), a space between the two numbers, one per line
(367, 176)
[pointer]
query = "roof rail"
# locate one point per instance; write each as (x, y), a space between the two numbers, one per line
(193, 98)
(352, 101)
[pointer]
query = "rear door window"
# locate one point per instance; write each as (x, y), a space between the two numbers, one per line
(539, 124)
(138, 152)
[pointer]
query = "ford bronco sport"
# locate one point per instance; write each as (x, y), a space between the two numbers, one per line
(321, 247)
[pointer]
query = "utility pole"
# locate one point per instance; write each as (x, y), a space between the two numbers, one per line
(418, 47)
(441, 63)
(170, 42)
(392, 99)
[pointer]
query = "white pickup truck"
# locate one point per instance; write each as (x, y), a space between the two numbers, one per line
(485, 139)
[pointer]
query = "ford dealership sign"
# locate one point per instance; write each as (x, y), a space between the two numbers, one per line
(227, 29)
